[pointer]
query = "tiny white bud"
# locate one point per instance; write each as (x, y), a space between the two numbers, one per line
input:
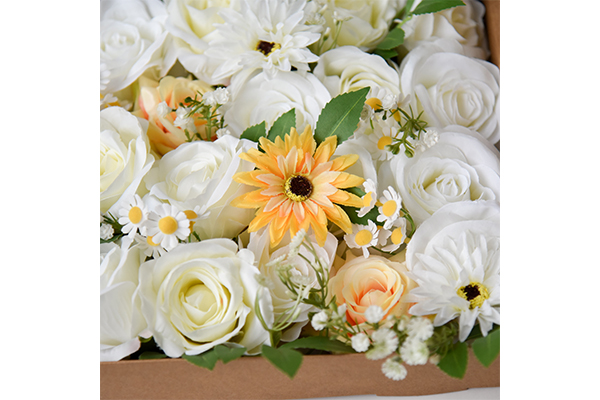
(106, 231)
(360, 342)
(163, 109)
(319, 321)
(374, 314)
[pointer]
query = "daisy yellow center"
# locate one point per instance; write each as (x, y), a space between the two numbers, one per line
(397, 115)
(267, 47)
(384, 141)
(168, 225)
(297, 188)
(474, 293)
(135, 215)
(397, 236)
(363, 237)
(374, 102)
(367, 199)
(191, 215)
(389, 208)
(150, 242)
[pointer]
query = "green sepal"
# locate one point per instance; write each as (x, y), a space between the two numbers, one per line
(432, 6)
(286, 360)
(319, 343)
(340, 116)
(282, 125)
(255, 132)
(152, 355)
(487, 348)
(455, 361)
(206, 360)
(393, 39)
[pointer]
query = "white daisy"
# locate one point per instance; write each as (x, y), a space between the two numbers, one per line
(270, 35)
(363, 237)
(133, 217)
(389, 211)
(381, 98)
(369, 199)
(148, 247)
(166, 224)
(396, 234)
(377, 133)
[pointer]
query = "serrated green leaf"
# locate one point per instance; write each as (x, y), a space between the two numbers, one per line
(393, 39)
(254, 132)
(204, 360)
(432, 6)
(152, 355)
(408, 6)
(487, 348)
(319, 343)
(455, 362)
(340, 116)
(286, 360)
(227, 354)
(282, 125)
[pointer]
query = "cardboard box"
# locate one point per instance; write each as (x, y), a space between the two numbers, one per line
(320, 375)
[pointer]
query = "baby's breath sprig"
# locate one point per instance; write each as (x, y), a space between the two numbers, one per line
(205, 108)
(110, 220)
(411, 130)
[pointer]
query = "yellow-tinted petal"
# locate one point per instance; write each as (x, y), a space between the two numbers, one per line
(344, 162)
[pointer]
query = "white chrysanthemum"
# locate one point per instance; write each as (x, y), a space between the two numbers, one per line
(385, 342)
(419, 328)
(389, 211)
(393, 370)
(396, 234)
(374, 314)
(414, 352)
(319, 321)
(269, 35)
(133, 217)
(363, 237)
(369, 199)
(166, 224)
(360, 342)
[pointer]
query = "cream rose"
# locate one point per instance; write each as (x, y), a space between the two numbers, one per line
(452, 89)
(132, 40)
(121, 319)
(346, 69)
(262, 99)
(363, 282)
(200, 174)
(200, 295)
(461, 166)
(124, 157)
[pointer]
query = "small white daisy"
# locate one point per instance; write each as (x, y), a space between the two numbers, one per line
(377, 133)
(133, 217)
(385, 342)
(360, 342)
(363, 237)
(369, 199)
(389, 211)
(148, 247)
(166, 224)
(396, 234)
(392, 369)
(381, 98)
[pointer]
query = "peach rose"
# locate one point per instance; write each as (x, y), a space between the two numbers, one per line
(362, 282)
(172, 91)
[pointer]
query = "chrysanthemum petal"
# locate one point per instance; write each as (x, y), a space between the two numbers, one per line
(346, 180)
(325, 150)
(339, 217)
(344, 162)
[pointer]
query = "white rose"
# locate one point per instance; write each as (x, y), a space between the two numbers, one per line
(260, 243)
(463, 23)
(200, 295)
(121, 319)
(452, 89)
(366, 22)
(461, 166)
(346, 69)
(132, 40)
(262, 99)
(200, 173)
(124, 157)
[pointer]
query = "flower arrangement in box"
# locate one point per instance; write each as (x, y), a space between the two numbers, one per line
(284, 177)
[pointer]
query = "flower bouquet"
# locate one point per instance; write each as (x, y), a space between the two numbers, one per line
(287, 180)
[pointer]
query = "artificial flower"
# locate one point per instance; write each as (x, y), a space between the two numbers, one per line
(414, 351)
(374, 314)
(389, 210)
(385, 342)
(133, 217)
(396, 234)
(419, 328)
(369, 199)
(360, 342)
(148, 247)
(393, 369)
(363, 237)
(166, 224)
(300, 187)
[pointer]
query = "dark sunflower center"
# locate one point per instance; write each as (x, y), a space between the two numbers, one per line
(298, 188)
(266, 47)
(474, 293)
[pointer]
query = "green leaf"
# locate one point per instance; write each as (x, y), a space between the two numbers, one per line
(386, 54)
(152, 355)
(393, 39)
(455, 362)
(319, 343)
(432, 6)
(487, 348)
(254, 132)
(227, 354)
(282, 125)
(204, 360)
(340, 116)
(285, 359)
(408, 6)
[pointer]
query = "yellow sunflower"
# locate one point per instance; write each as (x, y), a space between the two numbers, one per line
(298, 186)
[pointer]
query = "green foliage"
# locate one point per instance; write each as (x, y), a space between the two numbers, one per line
(227, 354)
(319, 343)
(282, 126)
(340, 116)
(255, 132)
(209, 359)
(432, 6)
(393, 39)
(487, 348)
(285, 359)
(455, 361)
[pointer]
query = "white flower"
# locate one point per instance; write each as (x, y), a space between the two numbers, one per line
(389, 211)
(369, 199)
(385, 342)
(132, 40)
(419, 328)
(183, 121)
(393, 370)
(262, 99)
(454, 258)
(133, 217)
(166, 224)
(461, 166)
(163, 109)
(200, 174)
(124, 157)
(200, 295)
(414, 351)
(221, 96)
(319, 321)
(375, 135)
(396, 233)
(222, 132)
(148, 247)
(121, 320)
(338, 317)
(429, 137)
(267, 35)
(360, 342)
(363, 237)
(106, 231)
(374, 314)
(452, 89)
